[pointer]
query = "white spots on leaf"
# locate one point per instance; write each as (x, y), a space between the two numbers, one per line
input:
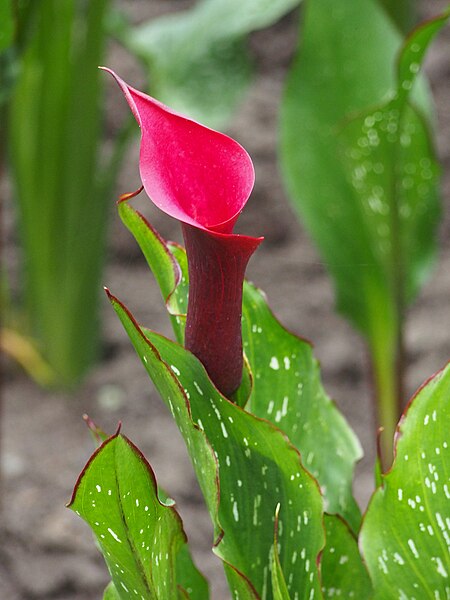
(114, 535)
(400, 494)
(413, 548)
(198, 388)
(440, 566)
(224, 429)
(274, 364)
(175, 370)
(235, 511)
(99, 489)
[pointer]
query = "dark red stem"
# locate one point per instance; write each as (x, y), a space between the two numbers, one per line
(217, 264)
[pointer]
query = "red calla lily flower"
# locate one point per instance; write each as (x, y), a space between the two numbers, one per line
(203, 178)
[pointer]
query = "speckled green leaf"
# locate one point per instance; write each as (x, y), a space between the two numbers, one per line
(139, 536)
(405, 535)
(288, 392)
(343, 572)
(197, 59)
(340, 175)
(257, 468)
(283, 373)
(393, 172)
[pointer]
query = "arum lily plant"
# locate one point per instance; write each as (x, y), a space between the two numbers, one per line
(181, 160)
(274, 457)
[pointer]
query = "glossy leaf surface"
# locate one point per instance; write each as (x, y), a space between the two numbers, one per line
(286, 385)
(257, 468)
(405, 536)
(288, 392)
(140, 537)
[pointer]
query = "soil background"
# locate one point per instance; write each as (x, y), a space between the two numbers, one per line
(46, 552)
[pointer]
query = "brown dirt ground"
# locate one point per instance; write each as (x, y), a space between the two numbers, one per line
(46, 552)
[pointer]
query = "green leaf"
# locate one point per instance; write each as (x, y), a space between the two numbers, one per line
(266, 342)
(280, 590)
(54, 135)
(362, 178)
(254, 469)
(347, 55)
(288, 392)
(162, 262)
(405, 535)
(111, 593)
(6, 25)
(189, 578)
(343, 573)
(139, 536)
(197, 59)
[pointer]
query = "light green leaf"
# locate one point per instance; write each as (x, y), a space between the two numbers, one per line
(197, 59)
(405, 535)
(288, 392)
(343, 572)
(257, 468)
(139, 536)
(111, 593)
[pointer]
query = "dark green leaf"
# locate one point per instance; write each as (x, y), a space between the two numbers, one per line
(288, 392)
(257, 468)
(405, 536)
(6, 25)
(343, 572)
(346, 65)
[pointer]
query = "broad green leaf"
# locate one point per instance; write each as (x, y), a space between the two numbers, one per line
(405, 535)
(257, 468)
(140, 537)
(288, 392)
(197, 59)
(343, 572)
(283, 373)
(344, 66)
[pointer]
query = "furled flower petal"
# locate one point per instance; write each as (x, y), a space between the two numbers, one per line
(203, 178)
(193, 173)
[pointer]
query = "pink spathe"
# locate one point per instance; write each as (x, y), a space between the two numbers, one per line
(203, 178)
